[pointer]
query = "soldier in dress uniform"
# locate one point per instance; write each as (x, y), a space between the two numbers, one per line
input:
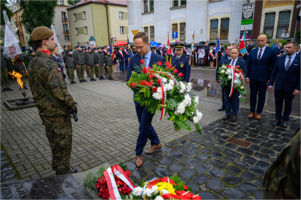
(56, 104)
(70, 66)
(108, 65)
(90, 60)
(101, 60)
(80, 62)
(181, 62)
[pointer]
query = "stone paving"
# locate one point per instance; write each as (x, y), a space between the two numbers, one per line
(214, 167)
(107, 129)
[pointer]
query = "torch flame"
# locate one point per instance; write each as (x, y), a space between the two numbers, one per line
(18, 76)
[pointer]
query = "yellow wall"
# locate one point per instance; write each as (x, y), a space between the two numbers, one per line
(115, 22)
(100, 24)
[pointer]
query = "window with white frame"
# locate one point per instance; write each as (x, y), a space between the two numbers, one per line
(152, 33)
(145, 29)
(176, 3)
(283, 22)
(120, 15)
(122, 29)
(74, 17)
(65, 27)
(76, 31)
(213, 29)
(224, 29)
(86, 30)
(148, 6)
(84, 15)
(182, 32)
(64, 17)
(269, 24)
(62, 2)
(66, 37)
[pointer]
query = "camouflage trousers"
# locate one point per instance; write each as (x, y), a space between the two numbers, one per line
(4, 78)
(80, 70)
(59, 134)
(110, 71)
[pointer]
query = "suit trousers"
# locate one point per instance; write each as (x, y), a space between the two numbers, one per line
(201, 61)
(80, 70)
(223, 98)
(260, 88)
(146, 129)
(232, 103)
(4, 78)
(280, 96)
(121, 65)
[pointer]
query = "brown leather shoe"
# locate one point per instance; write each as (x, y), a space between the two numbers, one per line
(251, 115)
(258, 116)
(226, 117)
(153, 149)
(139, 161)
(234, 119)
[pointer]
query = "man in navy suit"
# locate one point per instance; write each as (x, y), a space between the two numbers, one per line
(146, 130)
(181, 62)
(222, 61)
(260, 64)
(232, 103)
(287, 86)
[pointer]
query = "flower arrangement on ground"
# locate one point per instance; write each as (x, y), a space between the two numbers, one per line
(111, 183)
(163, 188)
(232, 76)
(160, 88)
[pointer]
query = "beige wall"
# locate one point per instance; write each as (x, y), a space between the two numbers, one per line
(100, 24)
(82, 39)
(58, 25)
(115, 22)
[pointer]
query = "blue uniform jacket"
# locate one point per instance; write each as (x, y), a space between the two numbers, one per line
(135, 61)
(182, 65)
(125, 55)
(261, 70)
(120, 58)
(289, 79)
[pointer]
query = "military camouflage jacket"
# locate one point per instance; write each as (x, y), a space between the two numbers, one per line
(282, 179)
(90, 59)
(28, 57)
(109, 60)
(49, 75)
(4, 60)
(69, 61)
(80, 58)
(101, 58)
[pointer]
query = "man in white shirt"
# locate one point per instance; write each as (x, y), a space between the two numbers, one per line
(201, 55)
(285, 34)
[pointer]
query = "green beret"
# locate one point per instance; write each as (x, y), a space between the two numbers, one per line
(41, 33)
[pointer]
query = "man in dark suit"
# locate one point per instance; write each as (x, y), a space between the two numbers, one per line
(250, 46)
(260, 64)
(287, 86)
(181, 62)
(232, 103)
(146, 130)
(222, 61)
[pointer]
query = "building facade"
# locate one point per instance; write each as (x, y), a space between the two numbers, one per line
(61, 23)
(206, 19)
(272, 17)
(102, 19)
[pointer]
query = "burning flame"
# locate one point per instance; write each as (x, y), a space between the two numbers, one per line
(18, 76)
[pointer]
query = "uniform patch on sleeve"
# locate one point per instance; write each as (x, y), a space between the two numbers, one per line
(59, 69)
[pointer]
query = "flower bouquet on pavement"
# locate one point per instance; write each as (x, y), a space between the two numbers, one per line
(160, 88)
(232, 76)
(164, 188)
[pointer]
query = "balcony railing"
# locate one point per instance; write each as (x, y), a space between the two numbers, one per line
(64, 19)
(66, 31)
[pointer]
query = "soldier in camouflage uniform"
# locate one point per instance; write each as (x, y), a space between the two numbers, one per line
(19, 66)
(29, 56)
(101, 61)
(80, 62)
(64, 53)
(282, 179)
(109, 64)
(70, 66)
(90, 59)
(4, 72)
(55, 117)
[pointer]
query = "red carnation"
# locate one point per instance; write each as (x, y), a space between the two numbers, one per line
(132, 85)
(158, 81)
(169, 67)
(99, 194)
(102, 190)
(159, 63)
(144, 70)
(105, 195)
(175, 71)
(102, 181)
(167, 63)
(126, 190)
(98, 185)
(128, 172)
(141, 62)
(154, 90)
(180, 74)
(229, 66)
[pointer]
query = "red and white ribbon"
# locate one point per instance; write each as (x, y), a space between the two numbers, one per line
(169, 76)
(113, 189)
(118, 171)
(163, 95)
(232, 82)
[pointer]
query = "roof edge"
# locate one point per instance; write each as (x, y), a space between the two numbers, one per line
(91, 2)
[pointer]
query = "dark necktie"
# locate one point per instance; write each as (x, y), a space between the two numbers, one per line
(259, 55)
(143, 58)
(288, 63)
(232, 63)
(177, 58)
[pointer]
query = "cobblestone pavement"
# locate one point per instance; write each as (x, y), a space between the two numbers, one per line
(215, 167)
(107, 129)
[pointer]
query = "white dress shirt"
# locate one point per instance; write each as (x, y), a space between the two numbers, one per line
(234, 61)
(263, 49)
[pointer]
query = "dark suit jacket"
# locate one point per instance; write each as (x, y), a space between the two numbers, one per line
(220, 63)
(240, 62)
(182, 65)
(289, 79)
(250, 47)
(135, 61)
(261, 70)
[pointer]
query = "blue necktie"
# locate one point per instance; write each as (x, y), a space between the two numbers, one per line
(288, 63)
(232, 63)
(259, 55)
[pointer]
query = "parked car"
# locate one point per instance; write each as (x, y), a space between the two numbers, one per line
(25, 48)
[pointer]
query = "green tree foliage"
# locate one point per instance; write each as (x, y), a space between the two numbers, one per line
(37, 13)
(4, 6)
(298, 36)
(73, 2)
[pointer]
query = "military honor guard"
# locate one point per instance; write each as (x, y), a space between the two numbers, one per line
(90, 61)
(101, 60)
(181, 62)
(70, 64)
(80, 63)
(287, 83)
(109, 65)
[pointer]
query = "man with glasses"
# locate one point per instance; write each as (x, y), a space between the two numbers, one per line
(146, 130)
(260, 64)
(223, 60)
(181, 62)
